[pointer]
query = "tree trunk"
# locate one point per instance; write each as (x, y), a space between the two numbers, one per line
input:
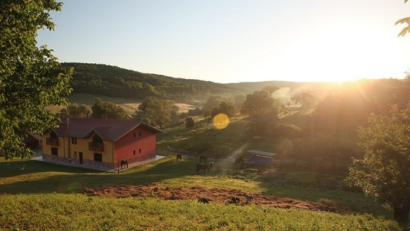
(401, 212)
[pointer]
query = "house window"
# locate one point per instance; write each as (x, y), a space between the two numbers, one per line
(133, 152)
(140, 133)
(133, 134)
(74, 140)
(140, 150)
(54, 151)
(97, 157)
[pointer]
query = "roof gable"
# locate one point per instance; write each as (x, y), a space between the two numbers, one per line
(107, 129)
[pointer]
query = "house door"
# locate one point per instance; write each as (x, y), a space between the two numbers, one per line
(80, 157)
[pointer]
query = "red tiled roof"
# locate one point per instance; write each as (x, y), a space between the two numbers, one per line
(108, 129)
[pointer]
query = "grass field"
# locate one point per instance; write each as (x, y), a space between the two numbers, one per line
(42, 196)
(130, 105)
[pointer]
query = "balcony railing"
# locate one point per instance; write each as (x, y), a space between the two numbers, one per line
(52, 141)
(96, 146)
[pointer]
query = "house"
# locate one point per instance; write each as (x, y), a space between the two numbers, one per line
(32, 141)
(100, 142)
(261, 158)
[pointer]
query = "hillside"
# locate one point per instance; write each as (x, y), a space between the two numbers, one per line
(113, 81)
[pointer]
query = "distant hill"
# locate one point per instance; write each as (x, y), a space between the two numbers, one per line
(317, 89)
(113, 81)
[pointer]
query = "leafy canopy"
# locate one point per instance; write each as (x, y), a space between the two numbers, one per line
(406, 29)
(262, 111)
(74, 110)
(384, 173)
(109, 110)
(31, 78)
(156, 112)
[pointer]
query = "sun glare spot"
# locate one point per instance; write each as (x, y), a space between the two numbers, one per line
(221, 121)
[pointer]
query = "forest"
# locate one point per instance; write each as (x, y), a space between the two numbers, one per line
(113, 81)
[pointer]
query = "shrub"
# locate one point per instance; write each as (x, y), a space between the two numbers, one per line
(189, 122)
(289, 131)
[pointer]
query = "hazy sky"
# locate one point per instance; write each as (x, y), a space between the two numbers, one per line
(236, 40)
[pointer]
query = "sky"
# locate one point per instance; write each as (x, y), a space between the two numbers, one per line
(229, 41)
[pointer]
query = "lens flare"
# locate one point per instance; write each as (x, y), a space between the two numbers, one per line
(221, 121)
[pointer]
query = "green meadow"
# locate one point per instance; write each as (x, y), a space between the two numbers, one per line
(43, 196)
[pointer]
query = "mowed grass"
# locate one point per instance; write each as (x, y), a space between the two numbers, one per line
(79, 212)
(42, 196)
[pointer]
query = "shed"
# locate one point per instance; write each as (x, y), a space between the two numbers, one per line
(261, 153)
(261, 158)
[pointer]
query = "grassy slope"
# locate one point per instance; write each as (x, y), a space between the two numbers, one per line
(231, 141)
(47, 196)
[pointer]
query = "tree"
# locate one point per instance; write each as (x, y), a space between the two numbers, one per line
(211, 102)
(383, 172)
(156, 112)
(305, 98)
(406, 29)
(111, 110)
(74, 110)
(238, 100)
(227, 108)
(189, 122)
(31, 78)
(261, 109)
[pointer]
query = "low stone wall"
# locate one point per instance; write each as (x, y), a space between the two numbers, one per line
(98, 164)
(85, 164)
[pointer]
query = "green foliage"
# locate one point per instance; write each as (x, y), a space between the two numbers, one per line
(156, 112)
(211, 102)
(304, 98)
(290, 131)
(108, 110)
(74, 110)
(118, 82)
(189, 122)
(195, 112)
(261, 109)
(31, 78)
(224, 107)
(383, 173)
(406, 29)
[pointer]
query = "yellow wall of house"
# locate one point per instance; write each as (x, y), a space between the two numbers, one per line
(69, 150)
(82, 146)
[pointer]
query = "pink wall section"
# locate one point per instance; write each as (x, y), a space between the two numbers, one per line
(125, 147)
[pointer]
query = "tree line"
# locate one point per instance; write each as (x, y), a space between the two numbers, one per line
(118, 82)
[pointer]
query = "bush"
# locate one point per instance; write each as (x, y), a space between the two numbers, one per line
(189, 122)
(289, 131)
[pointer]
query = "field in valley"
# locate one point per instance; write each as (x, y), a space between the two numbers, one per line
(130, 105)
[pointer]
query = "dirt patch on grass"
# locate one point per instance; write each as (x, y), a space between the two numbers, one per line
(212, 194)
